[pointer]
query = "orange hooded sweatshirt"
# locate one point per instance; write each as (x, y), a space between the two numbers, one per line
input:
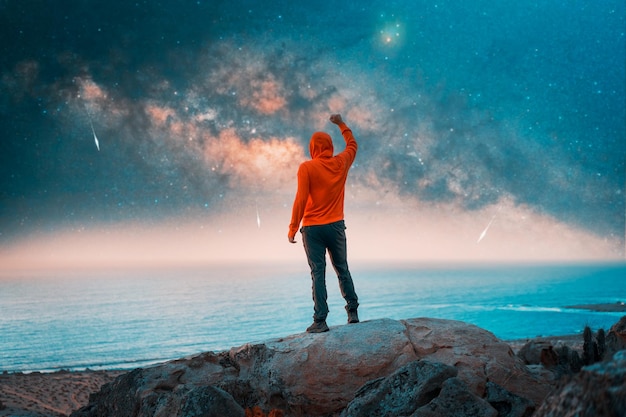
(321, 182)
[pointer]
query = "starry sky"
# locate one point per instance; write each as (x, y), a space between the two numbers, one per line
(138, 131)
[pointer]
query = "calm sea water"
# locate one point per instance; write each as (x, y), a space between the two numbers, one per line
(127, 319)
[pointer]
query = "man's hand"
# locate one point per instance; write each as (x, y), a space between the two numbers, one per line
(292, 239)
(336, 119)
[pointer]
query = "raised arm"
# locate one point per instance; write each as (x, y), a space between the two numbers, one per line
(351, 145)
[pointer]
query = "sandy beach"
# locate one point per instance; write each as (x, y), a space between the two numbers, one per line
(49, 394)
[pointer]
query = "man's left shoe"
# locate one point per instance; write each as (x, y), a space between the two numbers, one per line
(353, 316)
(318, 327)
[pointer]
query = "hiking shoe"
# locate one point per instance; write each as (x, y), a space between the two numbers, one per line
(353, 316)
(317, 327)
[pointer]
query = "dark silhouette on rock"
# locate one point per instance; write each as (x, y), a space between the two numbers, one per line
(601, 340)
(590, 347)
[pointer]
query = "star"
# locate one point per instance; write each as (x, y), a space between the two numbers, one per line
(391, 34)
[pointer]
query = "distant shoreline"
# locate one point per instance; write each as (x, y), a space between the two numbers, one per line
(617, 307)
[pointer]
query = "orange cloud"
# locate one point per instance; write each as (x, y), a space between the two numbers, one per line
(97, 101)
(258, 163)
(265, 96)
(89, 90)
(160, 114)
(362, 117)
(248, 78)
(165, 119)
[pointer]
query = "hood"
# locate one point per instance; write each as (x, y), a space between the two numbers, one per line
(321, 145)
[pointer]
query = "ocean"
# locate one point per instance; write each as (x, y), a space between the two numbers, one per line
(128, 319)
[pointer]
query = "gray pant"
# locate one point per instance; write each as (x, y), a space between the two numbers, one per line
(318, 239)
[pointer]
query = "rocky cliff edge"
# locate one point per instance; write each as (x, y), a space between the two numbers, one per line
(321, 374)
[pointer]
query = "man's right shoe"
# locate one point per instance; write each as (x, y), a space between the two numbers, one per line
(317, 327)
(353, 317)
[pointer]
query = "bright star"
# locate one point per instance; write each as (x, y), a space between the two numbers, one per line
(390, 36)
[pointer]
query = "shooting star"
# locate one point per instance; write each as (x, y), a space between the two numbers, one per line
(258, 217)
(484, 233)
(95, 138)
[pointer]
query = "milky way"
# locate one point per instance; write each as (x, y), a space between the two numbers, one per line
(121, 111)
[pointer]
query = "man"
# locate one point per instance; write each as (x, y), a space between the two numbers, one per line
(319, 206)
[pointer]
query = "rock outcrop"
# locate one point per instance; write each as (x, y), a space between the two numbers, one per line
(598, 390)
(541, 356)
(424, 388)
(320, 374)
(403, 392)
(616, 337)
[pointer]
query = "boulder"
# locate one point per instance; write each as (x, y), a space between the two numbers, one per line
(400, 394)
(165, 400)
(456, 400)
(417, 389)
(616, 337)
(478, 356)
(537, 352)
(506, 403)
(541, 356)
(319, 374)
(190, 401)
(598, 390)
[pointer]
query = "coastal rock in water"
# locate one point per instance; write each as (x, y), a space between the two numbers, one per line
(598, 390)
(319, 374)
